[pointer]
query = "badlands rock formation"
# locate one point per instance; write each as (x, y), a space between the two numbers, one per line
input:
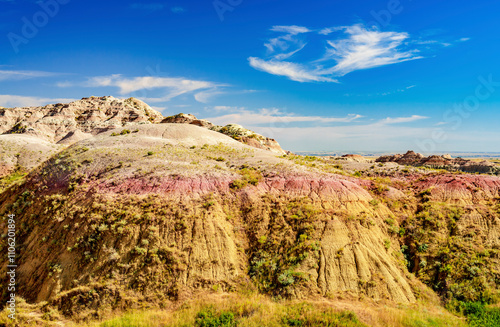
(411, 158)
(26, 134)
(90, 116)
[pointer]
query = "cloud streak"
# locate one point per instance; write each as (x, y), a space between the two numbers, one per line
(6, 75)
(267, 116)
(207, 95)
(8, 101)
(400, 120)
(321, 133)
(295, 72)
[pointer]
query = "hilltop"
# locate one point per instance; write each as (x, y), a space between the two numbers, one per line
(30, 135)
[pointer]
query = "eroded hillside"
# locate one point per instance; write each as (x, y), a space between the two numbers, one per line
(158, 213)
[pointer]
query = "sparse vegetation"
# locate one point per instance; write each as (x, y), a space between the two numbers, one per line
(277, 254)
(248, 176)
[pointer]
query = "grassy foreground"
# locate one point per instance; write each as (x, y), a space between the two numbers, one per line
(231, 310)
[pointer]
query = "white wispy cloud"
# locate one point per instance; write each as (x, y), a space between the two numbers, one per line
(288, 44)
(328, 30)
(225, 108)
(23, 74)
(349, 49)
(399, 120)
(292, 29)
(312, 133)
(207, 95)
(7, 100)
(364, 48)
(169, 87)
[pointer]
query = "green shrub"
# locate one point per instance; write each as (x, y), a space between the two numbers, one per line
(208, 204)
(209, 317)
(422, 248)
(249, 176)
(238, 184)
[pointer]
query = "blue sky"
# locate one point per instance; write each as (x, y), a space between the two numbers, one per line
(321, 76)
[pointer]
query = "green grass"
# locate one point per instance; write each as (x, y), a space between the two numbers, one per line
(135, 319)
(478, 315)
(8, 180)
